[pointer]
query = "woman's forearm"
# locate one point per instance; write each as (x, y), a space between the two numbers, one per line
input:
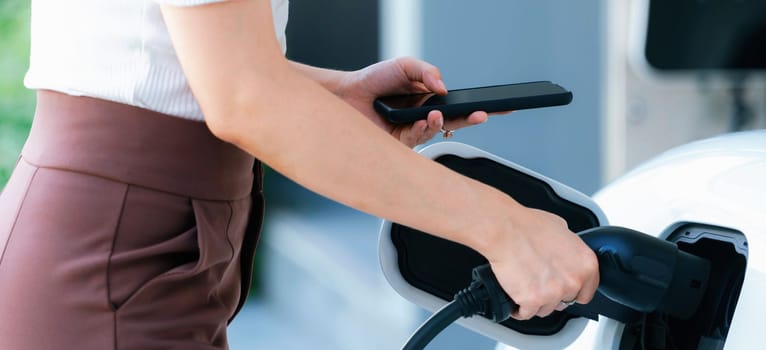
(253, 97)
(330, 79)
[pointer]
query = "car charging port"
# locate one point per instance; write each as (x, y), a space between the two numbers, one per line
(707, 328)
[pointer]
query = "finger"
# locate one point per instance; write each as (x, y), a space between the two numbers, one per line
(410, 135)
(565, 302)
(417, 87)
(435, 122)
(499, 113)
(548, 309)
(433, 126)
(524, 313)
(590, 285)
(477, 117)
(474, 118)
(420, 71)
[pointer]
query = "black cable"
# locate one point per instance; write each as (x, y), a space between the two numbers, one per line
(644, 324)
(433, 326)
(484, 297)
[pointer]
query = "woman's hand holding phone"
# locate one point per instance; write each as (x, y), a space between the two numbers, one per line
(397, 77)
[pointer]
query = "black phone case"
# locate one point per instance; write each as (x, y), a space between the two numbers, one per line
(409, 115)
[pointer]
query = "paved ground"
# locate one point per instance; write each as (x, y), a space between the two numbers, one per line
(258, 327)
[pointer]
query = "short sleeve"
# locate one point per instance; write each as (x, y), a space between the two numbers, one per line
(185, 3)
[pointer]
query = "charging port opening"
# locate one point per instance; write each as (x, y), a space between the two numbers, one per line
(726, 249)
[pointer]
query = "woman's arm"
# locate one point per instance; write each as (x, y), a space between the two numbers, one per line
(330, 79)
(252, 97)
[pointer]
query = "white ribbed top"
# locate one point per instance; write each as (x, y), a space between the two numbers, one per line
(117, 50)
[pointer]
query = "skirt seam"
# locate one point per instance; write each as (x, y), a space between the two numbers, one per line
(228, 229)
(109, 265)
(18, 213)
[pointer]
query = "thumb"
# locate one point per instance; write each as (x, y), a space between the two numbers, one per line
(424, 72)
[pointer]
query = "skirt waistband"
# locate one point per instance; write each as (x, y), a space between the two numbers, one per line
(137, 146)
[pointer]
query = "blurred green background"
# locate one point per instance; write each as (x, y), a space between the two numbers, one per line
(16, 102)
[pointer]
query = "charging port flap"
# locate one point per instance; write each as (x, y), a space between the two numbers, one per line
(428, 270)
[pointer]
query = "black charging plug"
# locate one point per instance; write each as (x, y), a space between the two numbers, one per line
(646, 273)
(497, 306)
(484, 296)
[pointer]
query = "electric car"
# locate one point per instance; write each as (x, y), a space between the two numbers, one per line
(706, 200)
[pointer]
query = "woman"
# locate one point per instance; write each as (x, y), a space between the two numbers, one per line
(132, 216)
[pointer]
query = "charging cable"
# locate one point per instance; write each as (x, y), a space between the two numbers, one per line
(483, 297)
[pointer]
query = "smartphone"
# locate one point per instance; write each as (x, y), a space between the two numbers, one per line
(402, 109)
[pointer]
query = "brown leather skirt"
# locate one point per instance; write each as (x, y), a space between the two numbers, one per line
(123, 228)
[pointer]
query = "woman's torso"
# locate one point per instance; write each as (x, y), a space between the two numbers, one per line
(117, 50)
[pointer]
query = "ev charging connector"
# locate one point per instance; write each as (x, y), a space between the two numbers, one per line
(642, 272)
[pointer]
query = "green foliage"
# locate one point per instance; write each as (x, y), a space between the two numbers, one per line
(16, 102)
